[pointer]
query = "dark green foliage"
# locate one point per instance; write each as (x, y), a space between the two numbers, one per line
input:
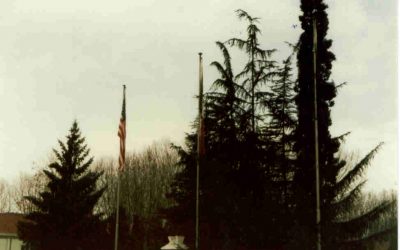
(340, 185)
(281, 104)
(235, 179)
(257, 181)
(304, 146)
(305, 211)
(64, 218)
(279, 155)
(256, 71)
(380, 231)
(282, 121)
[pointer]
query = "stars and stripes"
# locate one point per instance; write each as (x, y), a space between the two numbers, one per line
(122, 136)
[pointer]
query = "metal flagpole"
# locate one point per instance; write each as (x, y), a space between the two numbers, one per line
(117, 216)
(199, 146)
(122, 136)
(316, 144)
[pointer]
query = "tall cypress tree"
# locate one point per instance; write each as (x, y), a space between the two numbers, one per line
(64, 218)
(305, 176)
(339, 185)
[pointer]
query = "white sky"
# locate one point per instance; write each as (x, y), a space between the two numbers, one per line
(66, 60)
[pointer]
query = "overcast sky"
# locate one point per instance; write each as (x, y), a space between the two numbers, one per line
(66, 60)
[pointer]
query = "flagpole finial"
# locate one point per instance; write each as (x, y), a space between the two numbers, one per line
(200, 54)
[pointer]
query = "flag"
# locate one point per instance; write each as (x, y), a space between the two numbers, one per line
(122, 136)
(202, 146)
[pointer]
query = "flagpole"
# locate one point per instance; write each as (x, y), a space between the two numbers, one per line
(117, 215)
(122, 135)
(316, 144)
(199, 139)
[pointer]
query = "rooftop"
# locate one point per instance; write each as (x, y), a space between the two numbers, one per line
(8, 222)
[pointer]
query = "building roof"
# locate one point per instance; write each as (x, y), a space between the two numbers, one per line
(8, 222)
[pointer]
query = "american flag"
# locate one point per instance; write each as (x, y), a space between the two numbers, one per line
(122, 136)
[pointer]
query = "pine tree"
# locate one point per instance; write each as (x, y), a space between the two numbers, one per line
(240, 183)
(224, 107)
(64, 218)
(282, 122)
(345, 228)
(262, 164)
(236, 205)
(236, 151)
(278, 131)
(258, 69)
(216, 187)
(267, 88)
(338, 187)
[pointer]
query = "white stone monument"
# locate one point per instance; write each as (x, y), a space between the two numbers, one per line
(175, 242)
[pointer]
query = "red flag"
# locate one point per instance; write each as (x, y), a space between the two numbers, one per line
(202, 146)
(122, 136)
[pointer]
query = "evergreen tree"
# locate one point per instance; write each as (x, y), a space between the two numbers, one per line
(346, 227)
(237, 151)
(258, 69)
(338, 187)
(231, 156)
(64, 218)
(237, 205)
(283, 120)
(216, 186)
(278, 130)
(329, 165)
(262, 177)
